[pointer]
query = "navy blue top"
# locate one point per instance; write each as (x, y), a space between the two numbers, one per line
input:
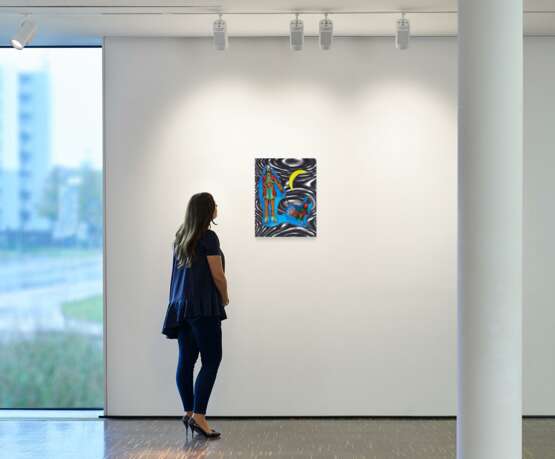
(193, 292)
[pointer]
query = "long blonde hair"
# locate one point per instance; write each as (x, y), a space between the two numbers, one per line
(199, 215)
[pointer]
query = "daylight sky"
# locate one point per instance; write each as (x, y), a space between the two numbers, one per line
(76, 85)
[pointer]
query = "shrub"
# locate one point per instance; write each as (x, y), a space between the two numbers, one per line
(52, 370)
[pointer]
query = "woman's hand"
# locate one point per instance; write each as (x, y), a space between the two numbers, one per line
(226, 301)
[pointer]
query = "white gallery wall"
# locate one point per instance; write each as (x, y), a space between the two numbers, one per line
(360, 320)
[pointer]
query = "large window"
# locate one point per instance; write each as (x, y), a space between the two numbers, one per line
(51, 228)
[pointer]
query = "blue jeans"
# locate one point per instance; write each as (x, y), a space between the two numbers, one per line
(199, 335)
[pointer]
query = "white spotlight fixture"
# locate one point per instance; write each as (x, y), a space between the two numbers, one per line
(403, 33)
(326, 33)
(25, 34)
(296, 33)
(220, 34)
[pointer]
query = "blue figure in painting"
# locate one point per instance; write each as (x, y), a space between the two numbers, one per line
(270, 195)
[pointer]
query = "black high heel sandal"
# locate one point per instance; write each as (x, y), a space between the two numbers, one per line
(185, 420)
(196, 428)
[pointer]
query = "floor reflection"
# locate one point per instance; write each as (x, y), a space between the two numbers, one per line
(52, 439)
(296, 438)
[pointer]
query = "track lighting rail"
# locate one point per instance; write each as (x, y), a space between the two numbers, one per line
(60, 9)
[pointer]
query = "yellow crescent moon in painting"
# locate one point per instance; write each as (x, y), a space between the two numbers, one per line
(293, 176)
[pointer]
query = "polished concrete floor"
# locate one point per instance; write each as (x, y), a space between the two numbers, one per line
(306, 438)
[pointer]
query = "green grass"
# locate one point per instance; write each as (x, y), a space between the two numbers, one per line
(52, 370)
(87, 309)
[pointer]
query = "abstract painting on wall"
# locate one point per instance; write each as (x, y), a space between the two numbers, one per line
(285, 197)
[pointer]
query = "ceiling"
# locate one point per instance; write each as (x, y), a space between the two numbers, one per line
(82, 22)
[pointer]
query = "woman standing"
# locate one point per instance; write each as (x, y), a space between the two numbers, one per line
(198, 294)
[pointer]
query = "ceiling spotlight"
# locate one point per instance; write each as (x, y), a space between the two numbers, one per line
(220, 34)
(403, 33)
(24, 35)
(296, 33)
(326, 32)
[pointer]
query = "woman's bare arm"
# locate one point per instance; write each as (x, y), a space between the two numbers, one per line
(217, 271)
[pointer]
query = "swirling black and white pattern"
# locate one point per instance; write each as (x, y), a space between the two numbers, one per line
(304, 187)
